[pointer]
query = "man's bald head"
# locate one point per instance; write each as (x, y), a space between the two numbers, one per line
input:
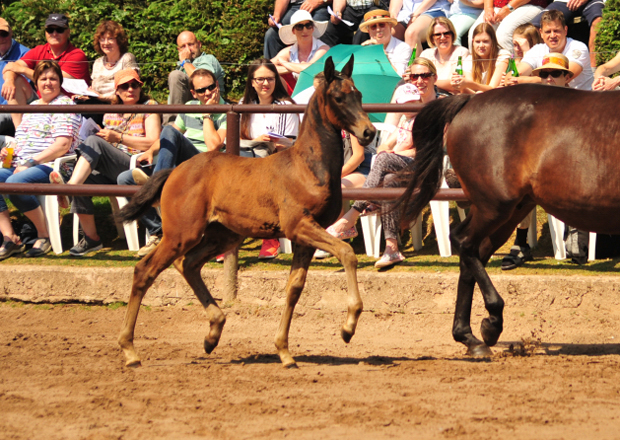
(188, 46)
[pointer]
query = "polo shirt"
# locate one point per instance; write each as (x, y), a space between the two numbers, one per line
(210, 63)
(13, 54)
(191, 125)
(72, 61)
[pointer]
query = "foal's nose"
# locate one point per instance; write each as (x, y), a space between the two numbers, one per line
(369, 133)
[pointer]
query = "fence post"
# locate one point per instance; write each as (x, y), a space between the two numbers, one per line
(231, 260)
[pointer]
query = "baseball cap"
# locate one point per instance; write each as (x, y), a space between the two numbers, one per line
(407, 93)
(4, 25)
(125, 76)
(59, 20)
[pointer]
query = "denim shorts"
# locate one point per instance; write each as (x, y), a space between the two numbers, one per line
(364, 167)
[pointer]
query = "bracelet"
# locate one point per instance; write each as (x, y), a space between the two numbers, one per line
(120, 141)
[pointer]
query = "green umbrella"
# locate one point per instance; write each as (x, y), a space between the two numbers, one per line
(373, 74)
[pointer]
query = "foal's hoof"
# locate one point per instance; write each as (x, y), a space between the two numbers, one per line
(210, 346)
(479, 351)
(291, 366)
(346, 335)
(490, 331)
(133, 364)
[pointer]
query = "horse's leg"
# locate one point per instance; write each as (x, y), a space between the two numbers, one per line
(310, 233)
(296, 281)
(216, 240)
(475, 247)
(145, 273)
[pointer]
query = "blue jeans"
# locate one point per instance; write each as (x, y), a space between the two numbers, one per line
(174, 148)
(151, 219)
(25, 203)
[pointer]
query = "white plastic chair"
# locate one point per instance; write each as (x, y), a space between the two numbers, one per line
(556, 229)
(49, 204)
(128, 231)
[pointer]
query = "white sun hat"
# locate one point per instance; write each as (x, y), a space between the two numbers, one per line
(286, 32)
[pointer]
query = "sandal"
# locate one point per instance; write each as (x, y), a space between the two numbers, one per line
(56, 178)
(388, 260)
(517, 256)
(44, 247)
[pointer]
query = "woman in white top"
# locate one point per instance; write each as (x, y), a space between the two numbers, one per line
(111, 42)
(379, 25)
(272, 129)
(484, 70)
(443, 52)
(414, 18)
(303, 34)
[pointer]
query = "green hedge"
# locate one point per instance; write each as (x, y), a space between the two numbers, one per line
(232, 30)
(608, 37)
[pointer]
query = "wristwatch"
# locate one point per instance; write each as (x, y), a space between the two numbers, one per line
(186, 60)
(29, 163)
(510, 8)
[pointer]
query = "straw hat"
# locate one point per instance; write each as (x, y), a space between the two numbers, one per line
(555, 61)
(407, 93)
(125, 76)
(286, 32)
(376, 16)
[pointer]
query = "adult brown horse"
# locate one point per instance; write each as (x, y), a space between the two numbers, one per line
(211, 203)
(512, 149)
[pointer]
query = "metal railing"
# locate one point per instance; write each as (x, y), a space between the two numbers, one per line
(233, 116)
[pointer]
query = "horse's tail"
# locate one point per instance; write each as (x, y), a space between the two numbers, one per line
(146, 197)
(428, 138)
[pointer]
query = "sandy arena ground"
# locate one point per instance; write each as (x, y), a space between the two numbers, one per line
(402, 376)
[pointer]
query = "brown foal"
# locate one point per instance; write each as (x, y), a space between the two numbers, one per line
(212, 202)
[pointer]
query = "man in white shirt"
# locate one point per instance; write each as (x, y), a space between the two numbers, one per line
(554, 34)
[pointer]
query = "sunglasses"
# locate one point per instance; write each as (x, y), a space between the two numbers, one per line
(301, 26)
(442, 34)
(4, 34)
(133, 84)
(377, 26)
(417, 76)
(202, 90)
(544, 74)
(51, 30)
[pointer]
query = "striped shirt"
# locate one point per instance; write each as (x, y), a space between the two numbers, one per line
(38, 131)
(191, 125)
(129, 125)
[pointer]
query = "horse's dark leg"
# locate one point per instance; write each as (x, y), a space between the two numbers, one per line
(216, 240)
(461, 327)
(296, 282)
(145, 273)
(310, 233)
(473, 259)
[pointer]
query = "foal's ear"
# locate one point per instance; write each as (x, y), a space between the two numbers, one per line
(348, 68)
(329, 70)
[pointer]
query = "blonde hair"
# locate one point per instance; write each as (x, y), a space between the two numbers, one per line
(431, 29)
(426, 63)
(478, 63)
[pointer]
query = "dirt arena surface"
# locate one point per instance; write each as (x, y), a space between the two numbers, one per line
(401, 377)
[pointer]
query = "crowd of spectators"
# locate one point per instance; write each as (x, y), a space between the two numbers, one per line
(501, 33)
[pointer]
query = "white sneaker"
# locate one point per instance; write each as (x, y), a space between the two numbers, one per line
(320, 254)
(149, 246)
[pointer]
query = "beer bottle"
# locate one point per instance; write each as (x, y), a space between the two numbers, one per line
(412, 57)
(6, 163)
(511, 70)
(459, 66)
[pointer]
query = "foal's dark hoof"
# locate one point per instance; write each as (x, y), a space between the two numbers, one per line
(490, 332)
(346, 336)
(209, 347)
(479, 351)
(292, 366)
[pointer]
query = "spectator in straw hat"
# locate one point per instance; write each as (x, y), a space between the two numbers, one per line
(10, 50)
(378, 24)
(343, 27)
(303, 35)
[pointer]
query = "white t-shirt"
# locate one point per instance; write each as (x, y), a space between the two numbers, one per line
(445, 70)
(575, 51)
(398, 52)
(285, 124)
